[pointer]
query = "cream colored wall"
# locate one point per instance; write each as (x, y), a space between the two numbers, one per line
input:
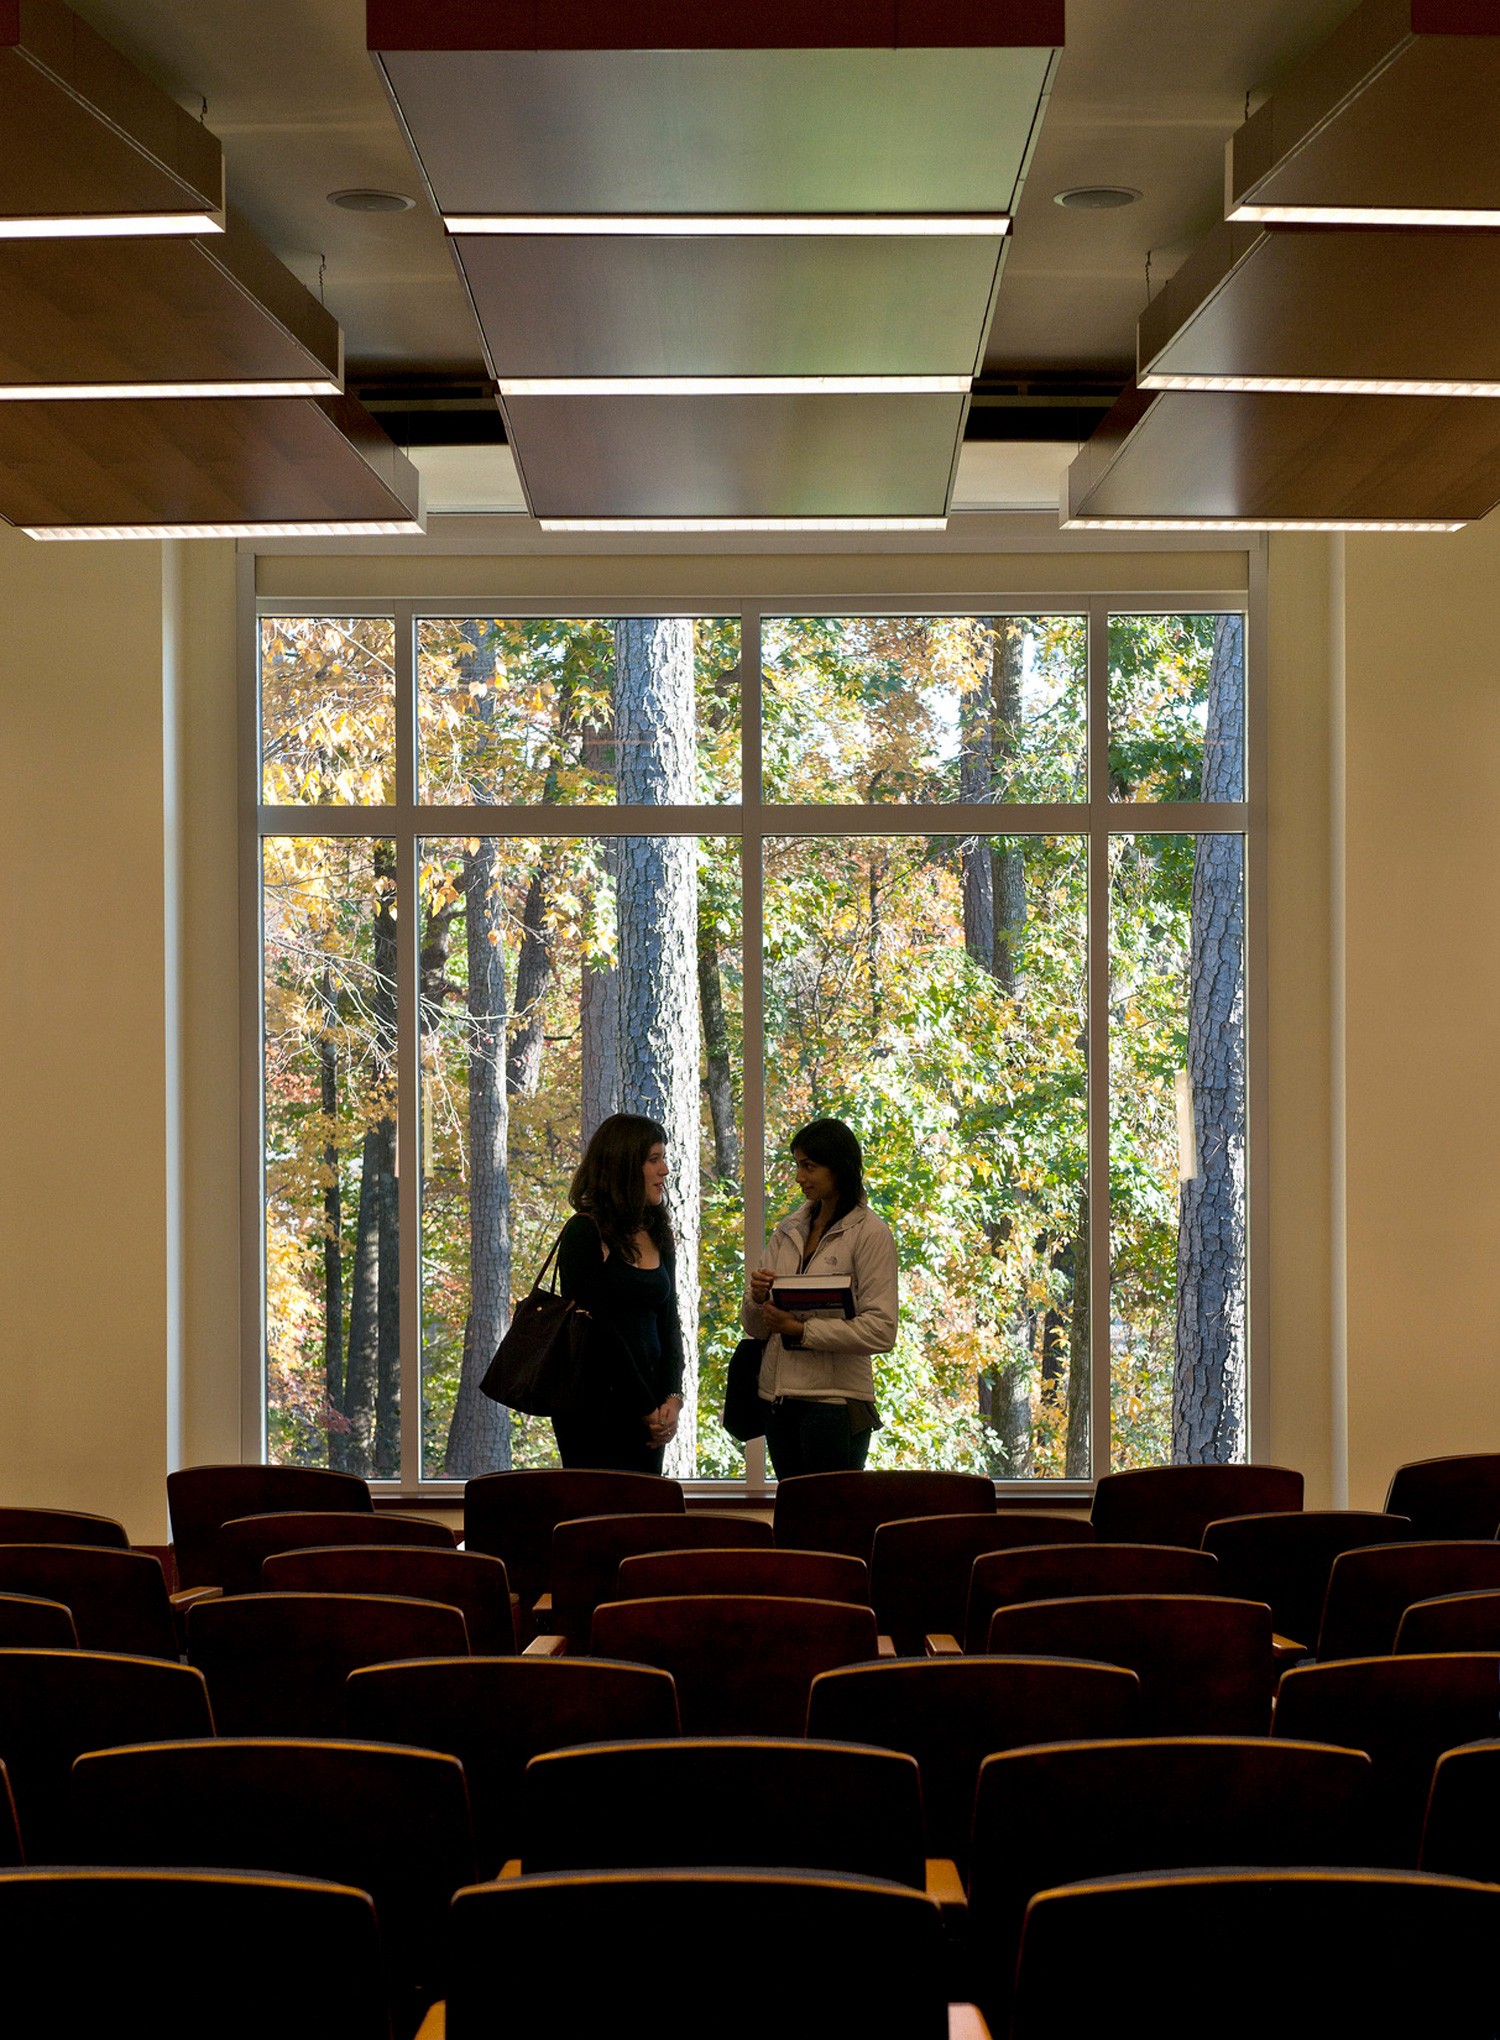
(1422, 969)
(82, 1054)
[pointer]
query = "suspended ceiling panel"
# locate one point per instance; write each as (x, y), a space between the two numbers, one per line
(164, 310)
(742, 456)
(1399, 111)
(1328, 304)
(84, 135)
(601, 305)
(1239, 454)
(263, 460)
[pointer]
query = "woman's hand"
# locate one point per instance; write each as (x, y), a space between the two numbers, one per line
(760, 1284)
(782, 1322)
(661, 1424)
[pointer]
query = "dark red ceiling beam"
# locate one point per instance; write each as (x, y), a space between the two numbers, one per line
(712, 24)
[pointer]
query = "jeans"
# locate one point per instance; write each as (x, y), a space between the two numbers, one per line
(814, 1437)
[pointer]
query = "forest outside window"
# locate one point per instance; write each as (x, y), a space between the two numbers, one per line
(738, 870)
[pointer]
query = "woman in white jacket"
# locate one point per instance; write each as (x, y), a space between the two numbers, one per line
(816, 1373)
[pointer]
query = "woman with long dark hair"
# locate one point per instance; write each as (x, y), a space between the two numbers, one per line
(817, 1372)
(616, 1260)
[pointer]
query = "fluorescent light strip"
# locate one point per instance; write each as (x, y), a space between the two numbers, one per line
(1259, 524)
(1324, 386)
(1368, 215)
(707, 225)
(736, 385)
(625, 524)
(369, 527)
(53, 393)
(102, 226)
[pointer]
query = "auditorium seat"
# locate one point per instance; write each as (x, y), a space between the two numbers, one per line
(1005, 1579)
(512, 1515)
(1461, 1833)
(200, 1498)
(741, 1663)
(798, 1575)
(495, 1714)
(61, 1526)
(1240, 1953)
(32, 1622)
(740, 1953)
(118, 1599)
(276, 1663)
(587, 1550)
(55, 1704)
(470, 1581)
(1370, 1590)
(1176, 1504)
(246, 1542)
(920, 1565)
(1458, 1496)
(1404, 1712)
(759, 1801)
(1285, 1559)
(842, 1511)
(1205, 1663)
(951, 1713)
(392, 1822)
(1450, 1622)
(11, 1852)
(183, 1954)
(1061, 1812)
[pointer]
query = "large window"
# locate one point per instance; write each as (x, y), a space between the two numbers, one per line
(975, 883)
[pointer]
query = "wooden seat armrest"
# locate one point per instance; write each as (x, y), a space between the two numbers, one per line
(546, 1646)
(965, 2022)
(947, 1887)
(940, 1644)
(1286, 1650)
(434, 2024)
(189, 1597)
(511, 1867)
(885, 1646)
(541, 1609)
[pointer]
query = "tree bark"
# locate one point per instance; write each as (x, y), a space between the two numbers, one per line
(479, 1432)
(657, 890)
(1208, 1384)
(523, 1061)
(1076, 1449)
(333, 1223)
(719, 1077)
(374, 1305)
(1008, 881)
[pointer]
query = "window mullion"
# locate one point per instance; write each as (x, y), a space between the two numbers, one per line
(752, 978)
(408, 1054)
(1098, 1040)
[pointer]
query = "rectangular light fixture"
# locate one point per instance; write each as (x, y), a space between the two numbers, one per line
(701, 225)
(53, 393)
(97, 226)
(1321, 386)
(1365, 216)
(355, 528)
(736, 386)
(1256, 524)
(669, 524)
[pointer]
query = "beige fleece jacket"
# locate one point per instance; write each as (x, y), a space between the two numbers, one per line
(832, 1364)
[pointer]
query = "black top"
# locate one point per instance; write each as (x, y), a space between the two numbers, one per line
(639, 1304)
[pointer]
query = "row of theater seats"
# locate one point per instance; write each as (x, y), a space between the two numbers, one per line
(1183, 1647)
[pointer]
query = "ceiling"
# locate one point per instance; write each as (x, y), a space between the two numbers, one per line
(1144, 97)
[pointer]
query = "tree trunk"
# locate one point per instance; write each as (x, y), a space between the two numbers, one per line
(1076, 1450)
(976, 781)
(1208, 1385)
(479, 1431)
(719, 1079)
(1008, 881)
(658, 1038)
(479, 1437)
(599, 984)
(373, 1370)
(333, 1222)
(523, 1061)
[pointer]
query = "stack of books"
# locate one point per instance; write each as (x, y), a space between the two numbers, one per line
(814, 1295)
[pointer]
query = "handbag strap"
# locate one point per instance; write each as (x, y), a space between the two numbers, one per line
(541, 1273)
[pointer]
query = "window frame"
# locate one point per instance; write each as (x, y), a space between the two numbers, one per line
(1096, 818)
